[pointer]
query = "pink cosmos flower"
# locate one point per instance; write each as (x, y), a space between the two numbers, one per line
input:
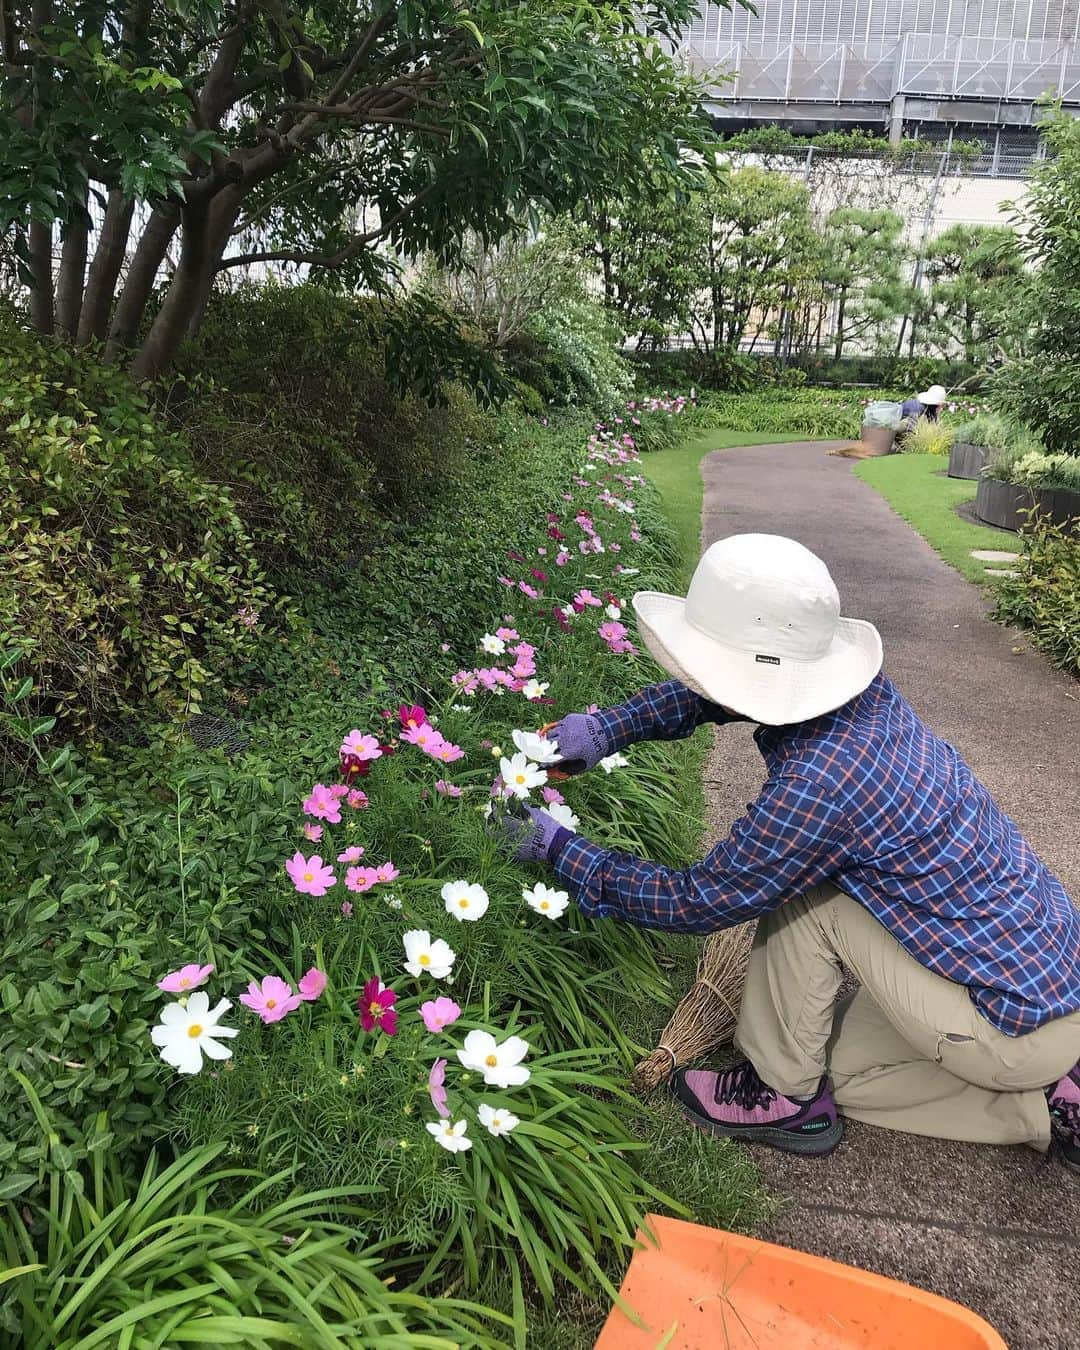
(424, 736)
(551, 794)
(352, 854)
(506, 581)
(386, 872)
(439, 1013)
(313, 832)
(323, 805)
(436, 1088)
(412, 715)
(541, 550)
(593, 708)
(523, 667)
(187, 977)
(310, 876)
(614, 548)
(338, 790)
(376, 1006)
(346, 908)
(272, 999)
(311, 985)
(444, 647)
(360, 879)
(612, 630)
(359, 745)
(635, 535)
(507, 634)
(562, 558)
(528, 590)
(357, 799)
(445, 789)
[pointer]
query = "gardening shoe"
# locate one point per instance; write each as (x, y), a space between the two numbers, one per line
(738, 1104)
(1064, 1102)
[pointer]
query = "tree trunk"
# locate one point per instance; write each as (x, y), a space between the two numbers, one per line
(41, 293)
(72, 275)
(105, 269)
(206, 234)
(838, 347)
(140, 279)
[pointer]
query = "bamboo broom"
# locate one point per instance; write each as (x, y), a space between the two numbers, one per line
(707, 1015)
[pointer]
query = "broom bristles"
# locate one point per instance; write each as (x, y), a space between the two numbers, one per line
(707, 1015)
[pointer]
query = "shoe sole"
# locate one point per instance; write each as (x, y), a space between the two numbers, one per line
(807, 1145)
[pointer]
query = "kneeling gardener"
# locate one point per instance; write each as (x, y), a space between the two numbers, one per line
(873, 846)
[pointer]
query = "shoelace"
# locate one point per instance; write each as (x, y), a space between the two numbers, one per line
(1065, 1119)
(742, 1087)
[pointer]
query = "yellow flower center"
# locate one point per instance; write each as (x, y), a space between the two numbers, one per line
(496, 1121)
(271, 1002)
(544, 904)
(309, 876)
(375, 1009)
(463, 903)
(195, 1030)
(425, 960)
(520, 778)
(185, 983)
(491, 1061)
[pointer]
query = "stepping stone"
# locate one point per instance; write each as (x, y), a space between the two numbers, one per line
(1001, 571)
(993, 555)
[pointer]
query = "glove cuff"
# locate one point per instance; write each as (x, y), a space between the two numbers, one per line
(559, 841)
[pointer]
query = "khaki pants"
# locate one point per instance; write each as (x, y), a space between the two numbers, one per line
(908, 1051)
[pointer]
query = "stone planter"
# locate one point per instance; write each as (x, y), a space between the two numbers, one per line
(968, 461)
(1004, 504)
(879, 440)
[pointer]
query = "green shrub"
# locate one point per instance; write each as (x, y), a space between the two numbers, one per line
(575, 344)
(927, 438)
(286, 399)
(1044, 596)
(796, 412)
(191, 1252)
(1036, 469)
(997, 432)
(128, 574)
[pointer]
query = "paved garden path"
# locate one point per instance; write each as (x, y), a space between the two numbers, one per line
(995, 1229)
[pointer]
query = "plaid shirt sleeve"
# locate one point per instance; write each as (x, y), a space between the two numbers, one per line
(661, 712)
(791, 838)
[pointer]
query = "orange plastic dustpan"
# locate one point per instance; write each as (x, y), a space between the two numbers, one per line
(703, 1289)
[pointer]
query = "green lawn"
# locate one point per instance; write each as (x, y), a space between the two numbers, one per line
(677, 475)
(913, 488)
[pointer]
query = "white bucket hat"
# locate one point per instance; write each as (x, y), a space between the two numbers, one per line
(935, 395)
(760, 632)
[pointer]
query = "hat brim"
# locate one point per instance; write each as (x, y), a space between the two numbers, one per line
(776, 695)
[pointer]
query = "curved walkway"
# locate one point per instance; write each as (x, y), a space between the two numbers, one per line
(997, 1229)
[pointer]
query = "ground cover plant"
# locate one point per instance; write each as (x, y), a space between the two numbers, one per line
(167, 859)
(814, 413)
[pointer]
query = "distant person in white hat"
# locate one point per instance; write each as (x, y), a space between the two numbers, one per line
(871, 846)
(927, 404)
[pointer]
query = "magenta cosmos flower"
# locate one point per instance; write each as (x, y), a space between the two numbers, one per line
(436, 1089)
(310, 876)
(187, 977)
(439, 1013)
(376, 1006)
(412, 715)
(271, 998)
(311, 985)
(323, 804)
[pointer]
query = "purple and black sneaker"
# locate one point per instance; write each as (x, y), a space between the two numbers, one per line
(1064, 1102)
(738, 1104)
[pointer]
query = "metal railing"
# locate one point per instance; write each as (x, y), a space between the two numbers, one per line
(925, 64)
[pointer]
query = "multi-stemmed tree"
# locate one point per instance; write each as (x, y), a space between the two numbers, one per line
(323, 135)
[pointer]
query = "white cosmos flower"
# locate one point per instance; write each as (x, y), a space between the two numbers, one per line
(613, 612)
(426, 957)
(612, 762)
(533, 689)
(546, 900)
(452, 1137)
(460, 707)
(495, 1119)
(569, 612)
(500, 1064)
(520, 775)
(187, 1032)
(536, 747)
(561, 814)
(630, 571)
(465, 900)
(493, 645)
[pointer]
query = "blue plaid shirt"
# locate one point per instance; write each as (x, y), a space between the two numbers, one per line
(870, 799)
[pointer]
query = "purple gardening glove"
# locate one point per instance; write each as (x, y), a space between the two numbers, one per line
(532, 836)
(581, 740)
